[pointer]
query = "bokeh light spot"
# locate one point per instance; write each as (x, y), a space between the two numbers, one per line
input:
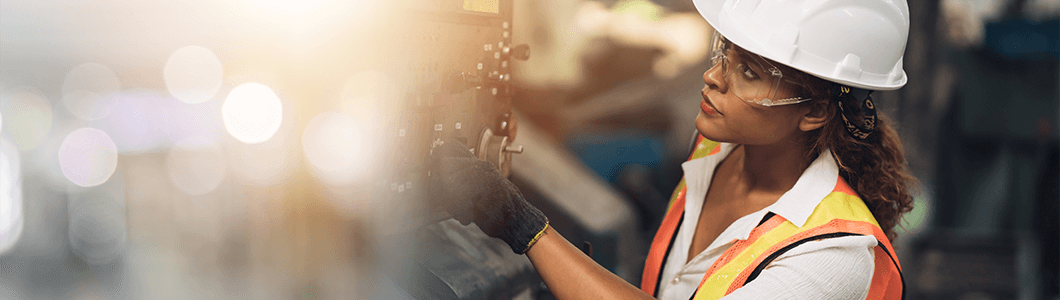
(917, 219)
(28, 117)
(88, 157)
(196, 171)
(252, 113)
(193, 74)
(89, 89)
(338, 148)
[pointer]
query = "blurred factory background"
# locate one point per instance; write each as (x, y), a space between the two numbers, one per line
(230, 149)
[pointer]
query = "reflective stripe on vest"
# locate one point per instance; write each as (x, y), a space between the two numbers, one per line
(841, 213)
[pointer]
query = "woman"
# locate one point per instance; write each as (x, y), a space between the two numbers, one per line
(796, 183)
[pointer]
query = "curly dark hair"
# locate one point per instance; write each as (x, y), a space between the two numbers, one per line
(875, 167)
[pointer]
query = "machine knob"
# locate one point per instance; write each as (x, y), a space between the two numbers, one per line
(498, 150)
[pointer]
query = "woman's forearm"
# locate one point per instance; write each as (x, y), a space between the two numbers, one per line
(570, 274)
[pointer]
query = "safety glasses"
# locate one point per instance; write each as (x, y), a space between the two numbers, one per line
(749, 76)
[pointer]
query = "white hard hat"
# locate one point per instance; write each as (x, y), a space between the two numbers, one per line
(858, 43)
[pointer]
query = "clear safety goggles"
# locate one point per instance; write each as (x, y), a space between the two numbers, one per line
(749, 76)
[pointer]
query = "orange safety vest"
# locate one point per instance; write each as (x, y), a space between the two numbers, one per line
(840, 213)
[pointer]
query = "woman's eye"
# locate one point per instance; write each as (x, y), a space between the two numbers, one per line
(747, 72)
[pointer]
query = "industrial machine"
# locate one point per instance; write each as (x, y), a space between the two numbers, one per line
(456, 56)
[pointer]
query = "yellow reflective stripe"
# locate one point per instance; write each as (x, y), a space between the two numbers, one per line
(673, 197)
(705, 147)
(719, 282)
(840, 206)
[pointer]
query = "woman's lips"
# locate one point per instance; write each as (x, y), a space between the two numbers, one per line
(707, 107)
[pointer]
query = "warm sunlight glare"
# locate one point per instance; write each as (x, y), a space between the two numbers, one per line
(252, 113)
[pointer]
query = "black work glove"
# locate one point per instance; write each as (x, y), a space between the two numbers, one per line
(473, 190)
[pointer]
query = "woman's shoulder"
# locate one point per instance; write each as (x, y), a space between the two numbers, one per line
(833, 268)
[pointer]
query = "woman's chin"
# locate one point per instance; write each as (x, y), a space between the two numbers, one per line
(705, 129)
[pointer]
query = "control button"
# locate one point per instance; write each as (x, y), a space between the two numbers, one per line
(677, 279)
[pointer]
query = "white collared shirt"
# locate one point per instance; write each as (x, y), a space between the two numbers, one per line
(835, 268)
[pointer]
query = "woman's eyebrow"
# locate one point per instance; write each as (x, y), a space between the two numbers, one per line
(754, 62)
(740, 55)
(750, 62)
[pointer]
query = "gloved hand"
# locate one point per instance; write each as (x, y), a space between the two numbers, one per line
(473, 190)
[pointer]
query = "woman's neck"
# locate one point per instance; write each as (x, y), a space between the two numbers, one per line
(772, 167)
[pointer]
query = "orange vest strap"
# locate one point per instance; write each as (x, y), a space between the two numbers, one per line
(884, 278)
(842, 187)
(649, 280)
(664, 237)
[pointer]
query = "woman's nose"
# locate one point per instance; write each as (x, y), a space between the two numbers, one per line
(715, 78)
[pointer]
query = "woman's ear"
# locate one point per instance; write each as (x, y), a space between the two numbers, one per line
(815, 116)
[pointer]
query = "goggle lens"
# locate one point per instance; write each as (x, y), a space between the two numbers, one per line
(749, 76)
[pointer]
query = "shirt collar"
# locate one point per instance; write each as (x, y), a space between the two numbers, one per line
(795, 205)
(816, 182)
